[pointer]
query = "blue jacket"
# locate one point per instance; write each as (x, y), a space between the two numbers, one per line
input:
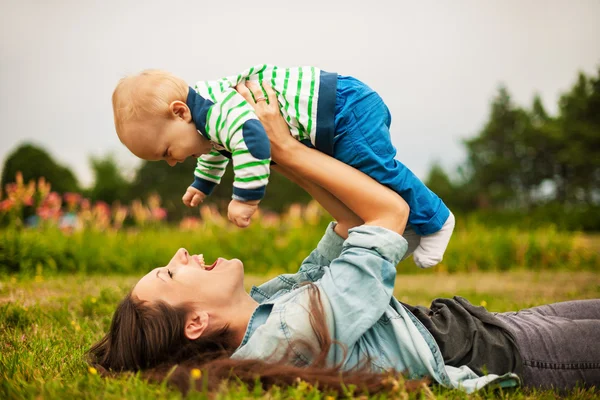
(356, 279)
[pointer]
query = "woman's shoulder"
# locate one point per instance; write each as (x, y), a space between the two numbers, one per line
(288, 331)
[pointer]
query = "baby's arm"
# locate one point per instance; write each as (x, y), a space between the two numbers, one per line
(251, 161)
(208, 173)
(233, 124)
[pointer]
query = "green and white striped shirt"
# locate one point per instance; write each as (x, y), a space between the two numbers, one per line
(232, 125)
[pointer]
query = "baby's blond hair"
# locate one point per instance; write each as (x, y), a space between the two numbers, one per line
(146, 94)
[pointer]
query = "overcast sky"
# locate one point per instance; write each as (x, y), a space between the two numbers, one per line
(437, 64)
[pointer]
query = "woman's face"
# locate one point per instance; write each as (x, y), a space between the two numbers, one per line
(187, 279)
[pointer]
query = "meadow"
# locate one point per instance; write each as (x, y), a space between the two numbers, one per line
(60, 280)
(47, 324)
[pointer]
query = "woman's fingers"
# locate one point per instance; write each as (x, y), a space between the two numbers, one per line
(271, 94)
(256, 91)
(243, 90)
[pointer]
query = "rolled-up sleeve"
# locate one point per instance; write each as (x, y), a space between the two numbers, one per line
(328, 249)
(360, 282)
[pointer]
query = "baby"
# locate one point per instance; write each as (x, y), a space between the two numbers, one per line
(158, 117)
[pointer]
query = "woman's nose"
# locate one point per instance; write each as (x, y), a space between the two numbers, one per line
(180, 256)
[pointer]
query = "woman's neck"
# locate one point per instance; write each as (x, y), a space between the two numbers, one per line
(239, 319)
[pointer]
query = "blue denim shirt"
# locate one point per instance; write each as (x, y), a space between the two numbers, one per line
(355, 279)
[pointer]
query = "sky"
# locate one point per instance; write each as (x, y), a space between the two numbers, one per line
(437, 64)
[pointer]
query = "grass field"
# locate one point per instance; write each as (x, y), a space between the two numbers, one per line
(47, 324)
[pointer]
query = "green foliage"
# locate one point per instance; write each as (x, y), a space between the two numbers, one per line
(109, 183)
(523, 159)
(34, 163)
(272, 248)
(581, 218)
(169, 183)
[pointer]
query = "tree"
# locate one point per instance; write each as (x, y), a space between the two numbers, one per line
(438, 181)
(577, 170)
(519, 151)
(457, 194)
(34, 162)
(498, 157)
(109, 183)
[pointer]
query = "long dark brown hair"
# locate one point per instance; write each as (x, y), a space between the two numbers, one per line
(150, 337)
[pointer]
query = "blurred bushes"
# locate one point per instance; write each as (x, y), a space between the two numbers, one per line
(273, 244)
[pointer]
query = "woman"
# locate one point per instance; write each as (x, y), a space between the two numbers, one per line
(338, 312)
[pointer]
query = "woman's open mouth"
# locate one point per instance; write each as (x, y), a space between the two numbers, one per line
(199, 258)
(211, 266)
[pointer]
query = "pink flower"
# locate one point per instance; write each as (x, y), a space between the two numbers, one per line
(72, 199)
(6, 205)
(189, 223)
(53, 200)
(11, 189)
(159, 214)
(102, 208)
(44, 212)
(85, 204)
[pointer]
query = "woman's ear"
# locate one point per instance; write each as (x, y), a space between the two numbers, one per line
(181, 110)
(196, 324)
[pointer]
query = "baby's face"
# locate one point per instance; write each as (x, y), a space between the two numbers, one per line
(172, 140)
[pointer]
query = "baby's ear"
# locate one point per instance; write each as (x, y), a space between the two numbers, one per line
(181, 110)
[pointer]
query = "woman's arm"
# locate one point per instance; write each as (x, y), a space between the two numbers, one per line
(372, 202)
(345, 218)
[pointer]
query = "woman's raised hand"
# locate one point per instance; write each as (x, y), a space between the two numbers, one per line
(267, 111)
(372, 202)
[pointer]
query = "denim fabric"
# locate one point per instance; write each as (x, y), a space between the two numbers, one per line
(355, 279)
(362, 140)
(558, 343)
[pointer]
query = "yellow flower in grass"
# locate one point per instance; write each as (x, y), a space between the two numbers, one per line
(483, 303)
(93, 300)
(93, 370)
(195, 373)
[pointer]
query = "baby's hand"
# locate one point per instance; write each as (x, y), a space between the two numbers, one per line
(240, 213)
(193, 197)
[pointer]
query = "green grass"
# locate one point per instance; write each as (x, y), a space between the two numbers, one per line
(46, 324)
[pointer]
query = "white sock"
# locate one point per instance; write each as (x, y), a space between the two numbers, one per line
(432, 247)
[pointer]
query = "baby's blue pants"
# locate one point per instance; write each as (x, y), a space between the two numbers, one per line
(362, 140)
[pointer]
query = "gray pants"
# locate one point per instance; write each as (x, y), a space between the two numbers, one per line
(559, 343)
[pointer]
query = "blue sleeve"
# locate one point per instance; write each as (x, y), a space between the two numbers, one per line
(203, 185)
(311, 269)
(359, 284)
(328, 249)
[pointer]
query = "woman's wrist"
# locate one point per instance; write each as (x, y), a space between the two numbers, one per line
(283, 149)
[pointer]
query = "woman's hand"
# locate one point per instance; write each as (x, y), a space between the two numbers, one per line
(366, 198)
(269, 115)
(279, 136)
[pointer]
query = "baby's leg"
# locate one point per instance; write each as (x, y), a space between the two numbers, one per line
(362, 140)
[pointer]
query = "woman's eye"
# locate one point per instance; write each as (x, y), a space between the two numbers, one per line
(170, 273)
